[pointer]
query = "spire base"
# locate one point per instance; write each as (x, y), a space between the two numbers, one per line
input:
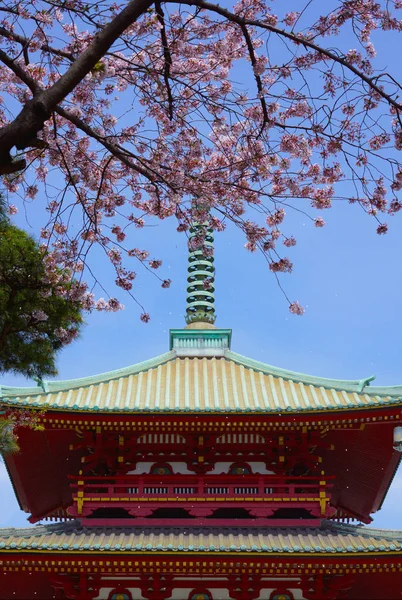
(200, 315)
(200, 325)
(193, 341)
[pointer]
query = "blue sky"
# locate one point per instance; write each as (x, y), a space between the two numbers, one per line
(347, 277)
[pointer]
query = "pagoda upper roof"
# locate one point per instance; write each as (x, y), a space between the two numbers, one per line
(201, 374)
(329, 538)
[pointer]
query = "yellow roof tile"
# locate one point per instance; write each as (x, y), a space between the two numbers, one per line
(329, 538)
(229, 383)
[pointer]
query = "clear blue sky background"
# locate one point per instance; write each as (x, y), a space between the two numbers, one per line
(348, 278)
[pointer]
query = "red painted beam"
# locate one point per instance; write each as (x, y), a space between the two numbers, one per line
(198, 522)
(185, 564)
(278, 420)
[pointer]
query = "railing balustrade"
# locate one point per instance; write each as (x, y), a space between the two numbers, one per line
(142, 494)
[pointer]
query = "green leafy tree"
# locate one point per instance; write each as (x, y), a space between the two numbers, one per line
(39, 310)
(39, 314)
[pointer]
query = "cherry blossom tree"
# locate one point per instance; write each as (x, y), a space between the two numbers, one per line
(197, 111)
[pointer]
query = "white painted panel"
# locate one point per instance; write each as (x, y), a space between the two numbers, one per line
(142, 468)
(298, 595)
(181, 467)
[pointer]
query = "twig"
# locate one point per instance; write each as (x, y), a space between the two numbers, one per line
(167, 56)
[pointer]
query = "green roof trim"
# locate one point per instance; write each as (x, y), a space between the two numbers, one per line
(346, 385)
(330, 537)
(48, 386)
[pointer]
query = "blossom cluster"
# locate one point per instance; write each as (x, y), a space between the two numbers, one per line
(192, 142)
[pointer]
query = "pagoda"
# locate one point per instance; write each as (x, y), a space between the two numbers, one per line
(203, 475)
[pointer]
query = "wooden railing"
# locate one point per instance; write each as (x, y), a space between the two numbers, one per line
(201, 495)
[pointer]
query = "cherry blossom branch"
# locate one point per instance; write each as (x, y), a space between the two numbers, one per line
(24, 42)
(83, 14)
(12, 11)
(23, 130)
(20, 72)
(257, 77)
(8, 167)
(115, 150)
(167, 56)
(296, 38)
(161, 126)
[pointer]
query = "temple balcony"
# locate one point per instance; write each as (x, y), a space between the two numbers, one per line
(198, 499)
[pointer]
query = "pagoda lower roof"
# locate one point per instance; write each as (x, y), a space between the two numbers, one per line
(329, 538)
(178, 384)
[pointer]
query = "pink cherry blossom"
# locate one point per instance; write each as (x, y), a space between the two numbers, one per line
(160, 126)
(383, 228)
(113, 305)
(101, 304)
(276, 218)
(289, 242)
(39, 315)
(291, 18)
(155, 264)
(283, 265)
(296, 309)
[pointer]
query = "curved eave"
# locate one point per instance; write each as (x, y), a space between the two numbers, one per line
(366, 554)
(48, 386)
(347, 412)
(326, 540)
(341, 385)
(199, 384)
